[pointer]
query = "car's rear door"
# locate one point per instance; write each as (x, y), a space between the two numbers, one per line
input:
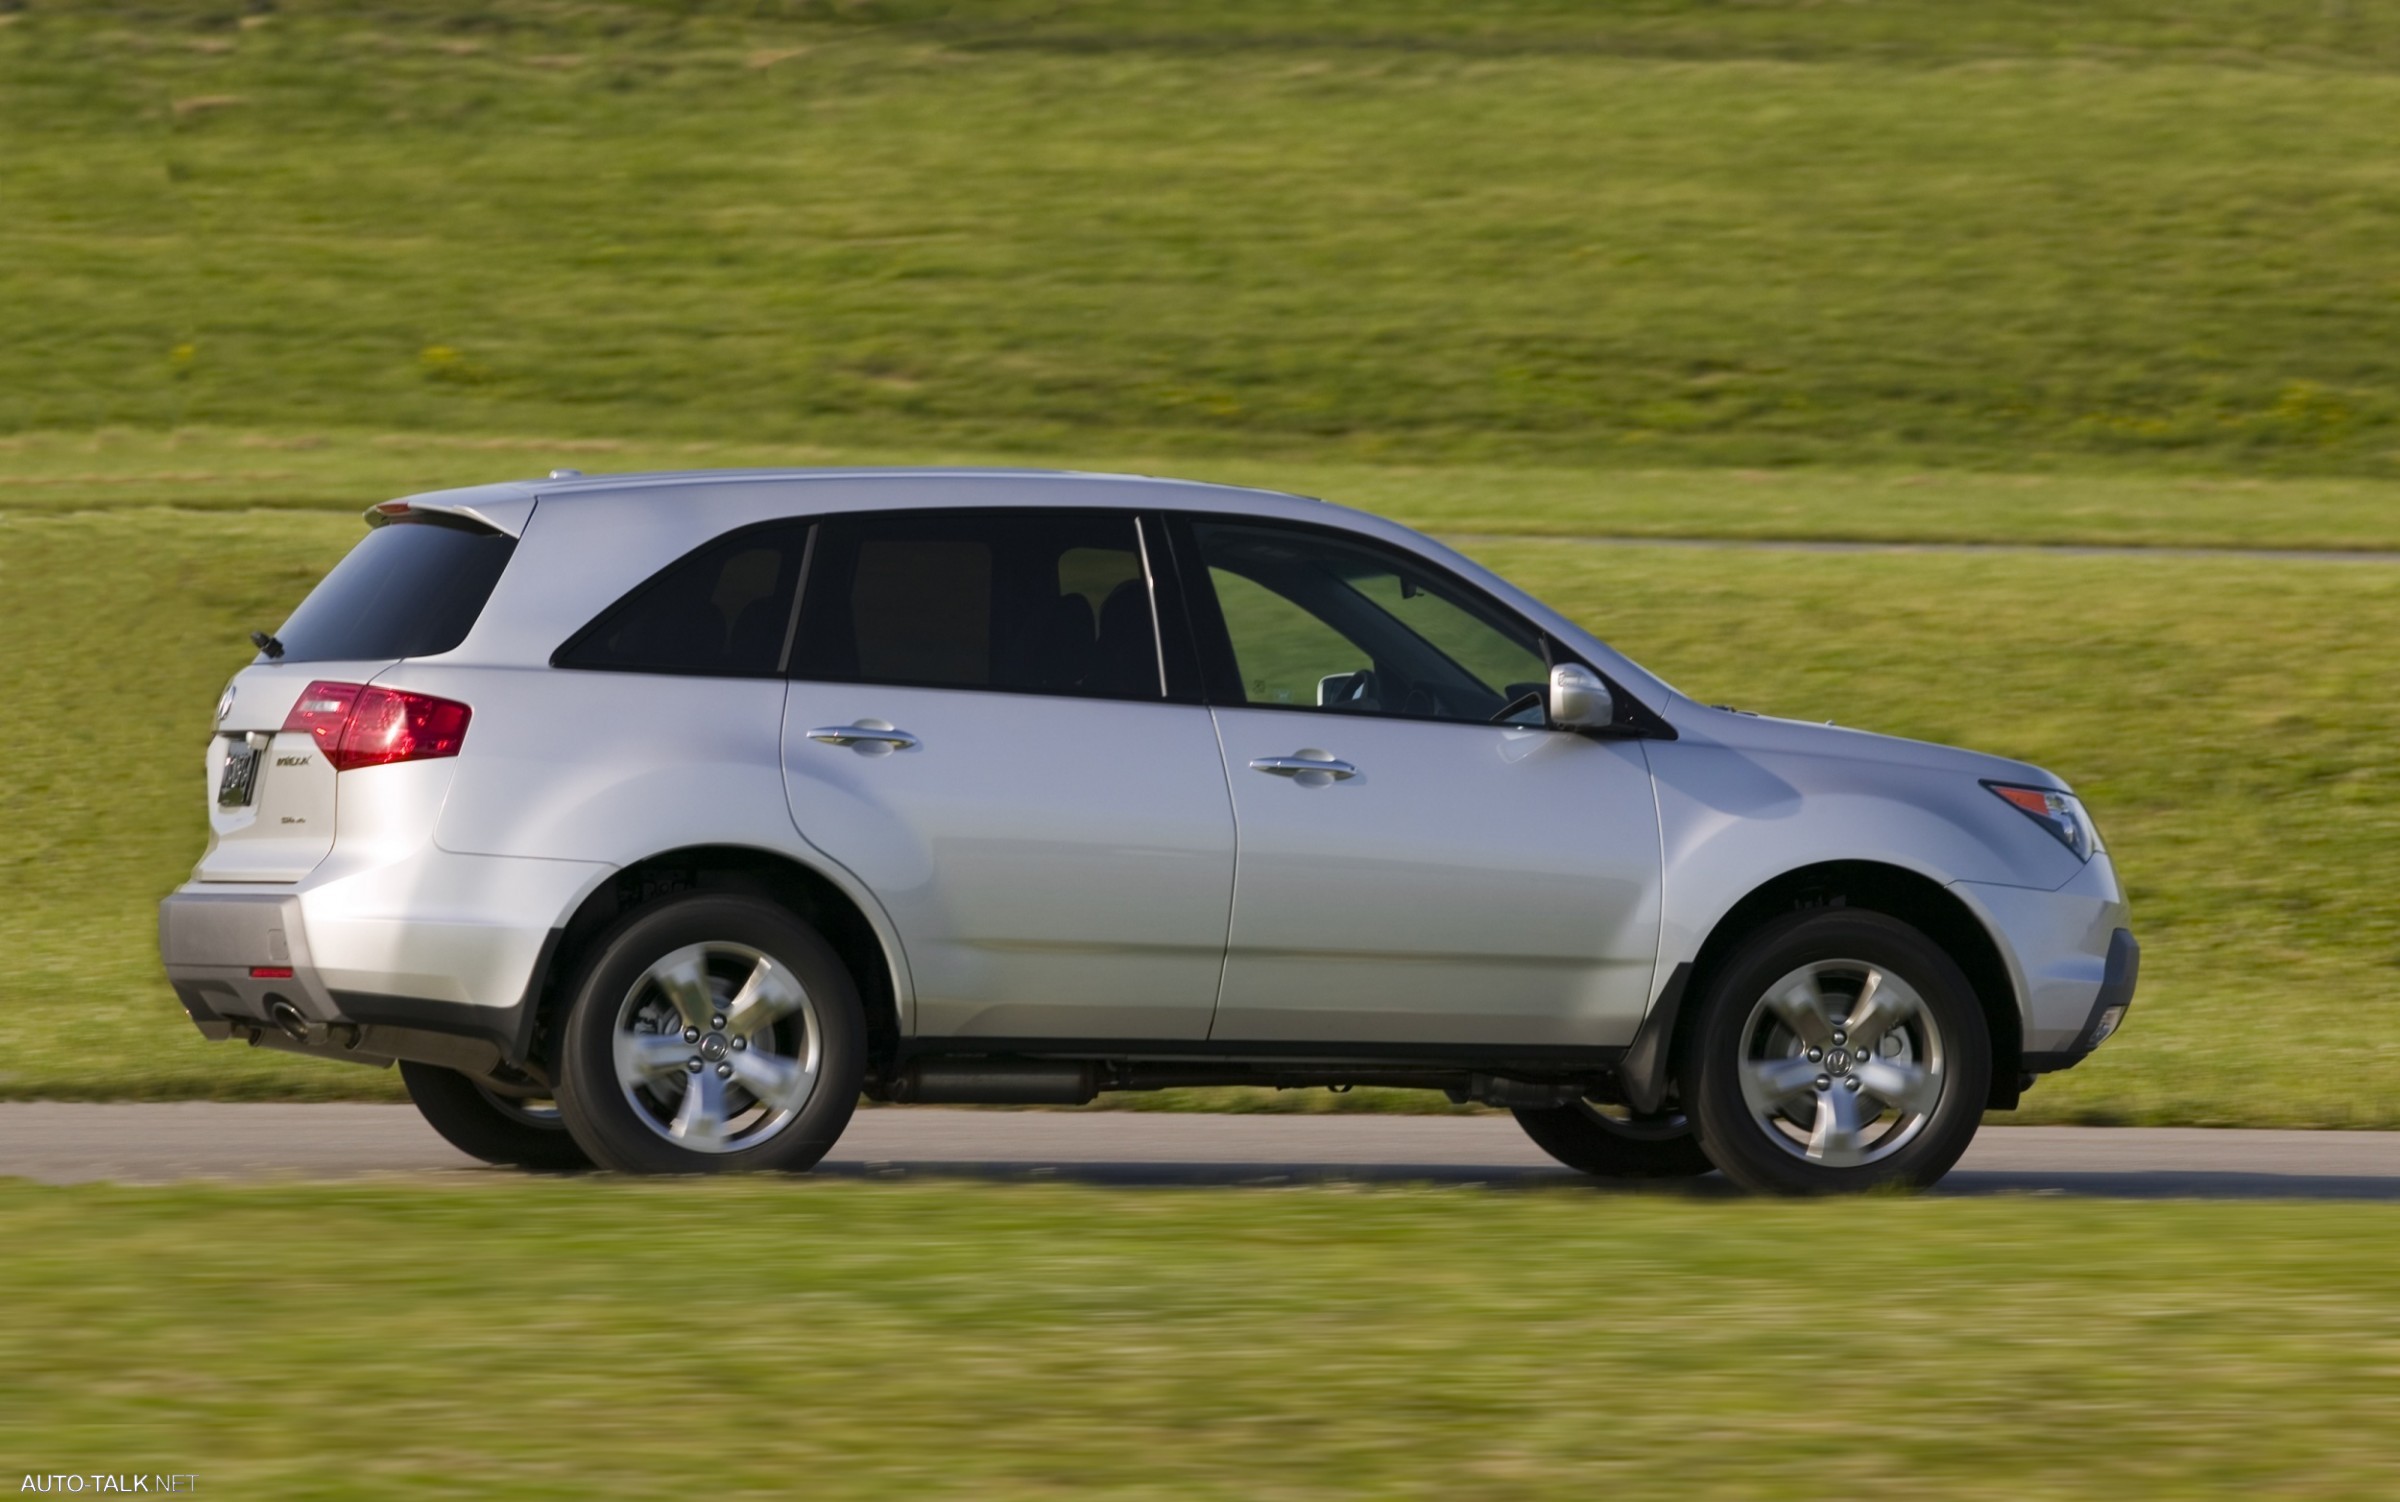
(979, 729)
(1411, 872)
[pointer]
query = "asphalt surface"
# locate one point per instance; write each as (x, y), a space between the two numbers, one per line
(59, 1143)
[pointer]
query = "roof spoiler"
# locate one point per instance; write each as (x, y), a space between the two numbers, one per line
(507, 517)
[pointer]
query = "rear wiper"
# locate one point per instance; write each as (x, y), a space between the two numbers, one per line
(267, 644)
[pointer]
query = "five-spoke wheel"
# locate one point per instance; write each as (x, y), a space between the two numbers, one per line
(712, 1033)
(1841, 1063)
(1837, 1050)
(717, 1047)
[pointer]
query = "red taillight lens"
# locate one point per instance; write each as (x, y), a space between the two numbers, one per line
(322, 711)
(387, 725)
(357, 726)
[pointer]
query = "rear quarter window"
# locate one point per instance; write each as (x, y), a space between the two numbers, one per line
(724, 610)
(411, 588)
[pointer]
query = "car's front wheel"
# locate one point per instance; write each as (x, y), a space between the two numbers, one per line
(712, 1034)
(1837, 1051)
(1614, 1143)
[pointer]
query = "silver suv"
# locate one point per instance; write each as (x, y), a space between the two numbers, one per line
(649, 820)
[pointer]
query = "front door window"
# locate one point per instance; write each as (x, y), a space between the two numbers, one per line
(1318, 622)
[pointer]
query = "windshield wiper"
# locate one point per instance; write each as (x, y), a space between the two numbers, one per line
(267, 644)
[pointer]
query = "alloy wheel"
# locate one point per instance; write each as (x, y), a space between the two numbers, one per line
(718, 1047)
(1843, 1064)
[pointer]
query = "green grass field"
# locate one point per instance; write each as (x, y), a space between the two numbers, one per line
(1654, 231)
(345, 471)
(521, 1338)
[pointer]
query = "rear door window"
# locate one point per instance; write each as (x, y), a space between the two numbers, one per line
(1049, 602)
(724, 610)
(411, 588)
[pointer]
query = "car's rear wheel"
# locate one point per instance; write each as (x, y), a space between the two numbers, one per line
(1837, 1051)
(514, 1131)
(712, 1035)
(1615, 1143)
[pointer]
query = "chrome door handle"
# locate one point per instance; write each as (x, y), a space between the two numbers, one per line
(1302, 766)
(864, 733)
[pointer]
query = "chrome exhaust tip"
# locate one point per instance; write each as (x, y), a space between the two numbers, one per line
(287, 1017)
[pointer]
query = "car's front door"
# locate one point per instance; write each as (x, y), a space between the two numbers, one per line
(1443, 879)
(979, 729)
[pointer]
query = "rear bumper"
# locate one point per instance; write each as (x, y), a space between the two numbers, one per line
(438, 957)
(222, 952)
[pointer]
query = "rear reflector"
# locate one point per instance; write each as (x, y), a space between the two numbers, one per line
(270, 972)
(357, 726)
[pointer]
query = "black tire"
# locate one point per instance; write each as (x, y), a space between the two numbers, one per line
(484, 1124)
(1588, 1139)
(1766, 1150)
(624, 1127)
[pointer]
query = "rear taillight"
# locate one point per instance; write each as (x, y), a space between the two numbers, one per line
(359, 726)
(323, 710)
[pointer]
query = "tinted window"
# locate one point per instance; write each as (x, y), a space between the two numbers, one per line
(1030, 602)
(725, 610)
(1314, 621)
(411, 588)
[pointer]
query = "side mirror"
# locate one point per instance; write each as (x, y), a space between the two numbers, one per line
(1579, 700)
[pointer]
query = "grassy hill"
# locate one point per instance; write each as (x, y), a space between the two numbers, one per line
(2023, 234)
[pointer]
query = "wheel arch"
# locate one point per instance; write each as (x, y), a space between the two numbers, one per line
(773, 876)
(1896, 892)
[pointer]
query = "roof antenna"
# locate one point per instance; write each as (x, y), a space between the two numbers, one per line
(566, 474)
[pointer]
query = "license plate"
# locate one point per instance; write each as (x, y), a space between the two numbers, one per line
(239, 780)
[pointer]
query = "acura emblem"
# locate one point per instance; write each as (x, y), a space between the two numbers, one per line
(225, 705)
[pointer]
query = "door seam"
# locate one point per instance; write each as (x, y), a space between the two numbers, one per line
(1233, 882)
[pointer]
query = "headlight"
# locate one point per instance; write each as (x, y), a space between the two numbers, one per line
(2060, 813)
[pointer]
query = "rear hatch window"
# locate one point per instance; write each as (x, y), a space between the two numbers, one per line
(412, 588)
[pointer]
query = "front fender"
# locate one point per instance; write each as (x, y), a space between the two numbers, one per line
(1732, 819)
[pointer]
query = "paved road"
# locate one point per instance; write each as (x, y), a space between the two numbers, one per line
(61, 1143)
